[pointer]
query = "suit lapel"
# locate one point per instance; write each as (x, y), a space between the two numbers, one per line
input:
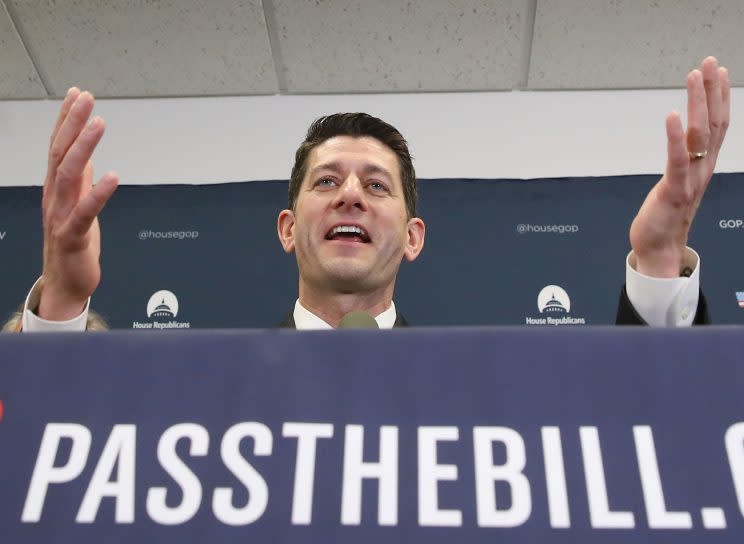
(400, 321)
(288, 322)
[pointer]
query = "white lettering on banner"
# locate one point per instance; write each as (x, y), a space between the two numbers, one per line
(119, 452)
(596, 486)
(385, 471)
(653, 492)
(258, 491)
(486, 474)
(190, 485)
(555, 478)
(430, 473)
(2, 235)
(307, 435)
(735, 451)
(114, 475)
(46, 473)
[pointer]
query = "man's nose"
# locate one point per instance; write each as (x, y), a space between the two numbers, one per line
(351, 194)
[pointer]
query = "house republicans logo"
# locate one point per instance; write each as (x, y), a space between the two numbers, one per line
(162, 309)
(555, 306)
(553, 300)
(162, 304)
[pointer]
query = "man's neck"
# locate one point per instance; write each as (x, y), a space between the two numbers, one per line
(331, 307)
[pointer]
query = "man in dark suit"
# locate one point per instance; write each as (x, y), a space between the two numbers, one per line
(352, 218)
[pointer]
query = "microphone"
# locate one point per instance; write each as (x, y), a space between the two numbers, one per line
(358, 320)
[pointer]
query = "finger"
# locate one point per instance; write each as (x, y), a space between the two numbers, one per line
(70, 129)
(678, 160)
(70, 179)
(698, 128)
(88, 208)
(725, 102)
(88, 175)
(712, 84)
(72, 95)
(67, 103)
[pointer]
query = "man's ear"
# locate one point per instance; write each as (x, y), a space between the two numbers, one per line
(416, 235)
(285, 229)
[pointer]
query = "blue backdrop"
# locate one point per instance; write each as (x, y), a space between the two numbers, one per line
(492, 246)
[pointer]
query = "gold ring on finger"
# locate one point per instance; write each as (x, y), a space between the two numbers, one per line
(697, 155)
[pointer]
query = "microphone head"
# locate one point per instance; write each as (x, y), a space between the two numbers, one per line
(358, 320)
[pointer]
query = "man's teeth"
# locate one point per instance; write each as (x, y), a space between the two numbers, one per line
(346, 228)
(353, 230)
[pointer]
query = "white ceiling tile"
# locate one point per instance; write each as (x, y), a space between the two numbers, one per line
(334, 46)
(149, 48)
(632, 43)
(18, 77)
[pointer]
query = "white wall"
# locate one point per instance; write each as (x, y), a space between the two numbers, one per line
(479, 135)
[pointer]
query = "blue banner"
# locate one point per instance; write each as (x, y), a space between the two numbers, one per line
(421, 435)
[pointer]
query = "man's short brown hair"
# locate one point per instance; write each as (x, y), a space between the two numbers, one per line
(356, 125)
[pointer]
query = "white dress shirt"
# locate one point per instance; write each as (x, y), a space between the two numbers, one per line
(664, 302)
(33, 323)
(306, 320)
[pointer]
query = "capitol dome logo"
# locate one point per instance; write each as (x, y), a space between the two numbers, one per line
(162, 309)
(553, 300)
(555, 308)
(162, 304)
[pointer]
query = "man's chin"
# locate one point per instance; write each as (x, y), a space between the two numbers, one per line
(348, 276)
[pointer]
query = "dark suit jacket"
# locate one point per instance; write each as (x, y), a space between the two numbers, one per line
(627, 315)
(289, 323)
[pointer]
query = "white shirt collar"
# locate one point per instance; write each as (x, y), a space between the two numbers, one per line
(306, 320)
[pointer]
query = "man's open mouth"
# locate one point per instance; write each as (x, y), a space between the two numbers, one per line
(350, 233)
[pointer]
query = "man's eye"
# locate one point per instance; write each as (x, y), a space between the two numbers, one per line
(377, 186)
(326, 182)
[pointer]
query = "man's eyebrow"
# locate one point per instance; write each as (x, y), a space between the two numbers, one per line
(332, 166)
(371, 169)
(368, 169)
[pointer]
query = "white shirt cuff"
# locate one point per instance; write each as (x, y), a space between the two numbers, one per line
(33, 323)
(664, 302)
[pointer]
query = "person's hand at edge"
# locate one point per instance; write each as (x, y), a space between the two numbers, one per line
(70, 207)
(658, 234)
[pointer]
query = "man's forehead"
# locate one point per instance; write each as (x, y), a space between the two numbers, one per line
(351, 151)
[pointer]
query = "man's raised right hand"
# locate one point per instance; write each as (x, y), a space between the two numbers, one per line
(70, 207)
